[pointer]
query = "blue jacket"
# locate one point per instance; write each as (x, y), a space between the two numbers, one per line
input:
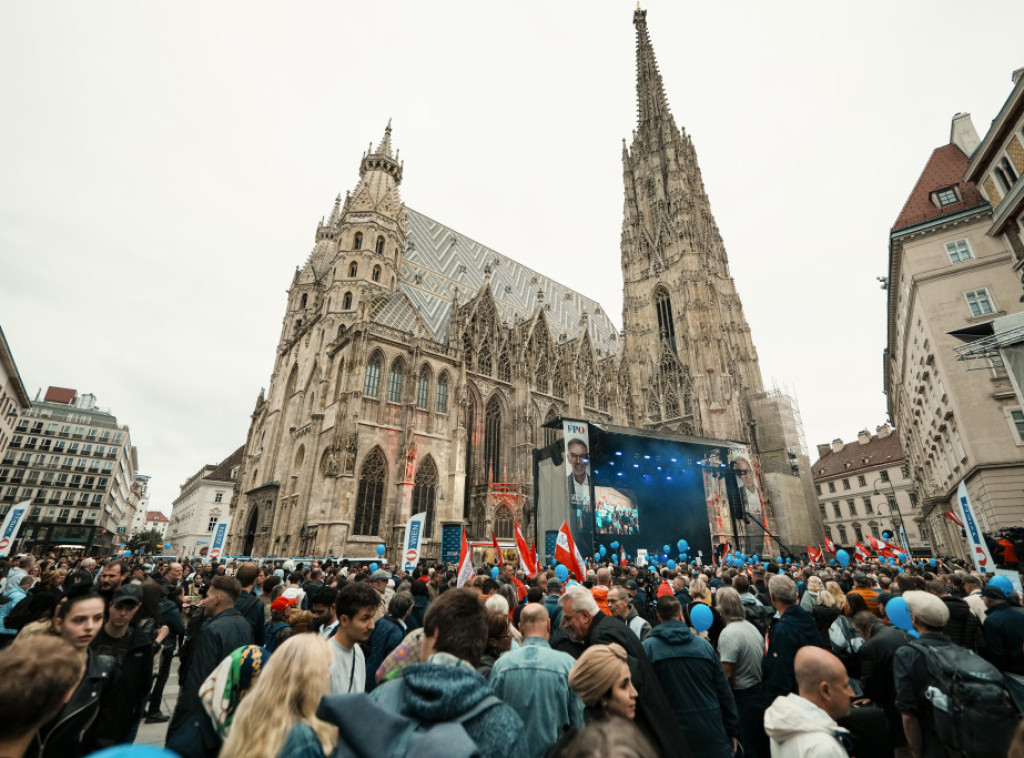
(16, 594)
(692, 677)
(432, 693)
(787, 634)
(534, 681)
(387, 634)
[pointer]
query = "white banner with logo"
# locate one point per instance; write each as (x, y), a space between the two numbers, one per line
(413, 538)
(12, 523)
(979, 550)
(578, 485)
(220, 535)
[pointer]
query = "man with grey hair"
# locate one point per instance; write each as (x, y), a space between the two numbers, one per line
(618, 603)
(585, 622)
(791, 630)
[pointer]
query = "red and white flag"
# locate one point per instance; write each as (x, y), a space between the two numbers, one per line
(533, 550)
(465, 562)
(498, 559)
(725, 552)
(954, 519)
(861, 552)
(525, 556)
(567, 554)
(830, 545)
(814, 555)
(622, 556)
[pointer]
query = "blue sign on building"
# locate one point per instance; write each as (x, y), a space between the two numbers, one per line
(451, 542)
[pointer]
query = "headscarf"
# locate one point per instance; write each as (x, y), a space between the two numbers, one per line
(224, 689)
(596, 670)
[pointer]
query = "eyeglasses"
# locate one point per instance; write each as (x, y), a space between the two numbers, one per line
(743, 472)
(575, 457)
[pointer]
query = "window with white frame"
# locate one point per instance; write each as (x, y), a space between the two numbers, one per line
(958, 251)
(212, 525)
(1016, 418)
(947, 196)
(980, 302)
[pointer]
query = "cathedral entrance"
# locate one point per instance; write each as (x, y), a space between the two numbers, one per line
(249, 540)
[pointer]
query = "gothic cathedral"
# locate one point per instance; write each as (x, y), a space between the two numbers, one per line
(416, 368)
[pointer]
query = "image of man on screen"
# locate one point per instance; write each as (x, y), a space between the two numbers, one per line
(746, 478)
(580, 507)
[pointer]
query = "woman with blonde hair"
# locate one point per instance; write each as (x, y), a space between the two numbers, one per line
(836, 591)
(814, 587)
(277, 719)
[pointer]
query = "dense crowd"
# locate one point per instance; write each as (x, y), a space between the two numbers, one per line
(278, 659)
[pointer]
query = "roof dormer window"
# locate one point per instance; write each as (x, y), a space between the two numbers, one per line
(946, 196)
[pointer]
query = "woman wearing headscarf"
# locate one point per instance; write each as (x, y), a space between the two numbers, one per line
(601, 678)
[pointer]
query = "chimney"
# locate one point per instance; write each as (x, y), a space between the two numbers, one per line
(883, 431)
(864, 436)
(837, 445)
(824, 450)
(963, 134)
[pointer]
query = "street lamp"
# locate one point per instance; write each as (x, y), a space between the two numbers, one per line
(895, 503)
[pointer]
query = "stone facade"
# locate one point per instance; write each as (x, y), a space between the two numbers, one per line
(13, 398)
(416, 367)
(204, 501)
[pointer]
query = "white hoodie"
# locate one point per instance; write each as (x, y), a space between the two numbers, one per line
(800, 729)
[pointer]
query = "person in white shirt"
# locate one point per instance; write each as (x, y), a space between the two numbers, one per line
(972, 586)
(357, 603)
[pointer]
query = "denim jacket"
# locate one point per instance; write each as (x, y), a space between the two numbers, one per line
(534, 680)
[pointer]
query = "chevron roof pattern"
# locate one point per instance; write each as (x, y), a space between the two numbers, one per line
(439, 261)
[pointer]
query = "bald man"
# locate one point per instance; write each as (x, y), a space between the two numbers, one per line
(534, 681)
(805, 723)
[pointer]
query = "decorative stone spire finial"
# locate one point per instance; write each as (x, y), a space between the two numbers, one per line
(650, 92)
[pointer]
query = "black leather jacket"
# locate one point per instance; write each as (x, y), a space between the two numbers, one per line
(77, 730)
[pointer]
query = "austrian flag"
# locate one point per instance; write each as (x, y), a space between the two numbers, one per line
(465, 562)
(814, 555)
(525, 556)
(830, 545)
(567, 554)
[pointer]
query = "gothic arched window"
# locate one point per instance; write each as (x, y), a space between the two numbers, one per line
(441, 404)
(653, 409)
(492, 439)
(504, 367)
(395, 381)
(541, 376)
(353, 269)
(376, 273)
(372, 384)
(550, 435)
(357, 242)
(671, 405)
(302, 302)
(424, 490)
(346, 302)
(380, 245)
(666, 326)
(423, 389)
(483, 360)
(370, 498)
(504, 526)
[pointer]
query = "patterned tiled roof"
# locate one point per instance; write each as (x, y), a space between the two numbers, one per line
(945, 168)
(854, 457)
(439, 261)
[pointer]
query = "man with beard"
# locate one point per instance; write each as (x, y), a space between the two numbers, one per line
(111, 578)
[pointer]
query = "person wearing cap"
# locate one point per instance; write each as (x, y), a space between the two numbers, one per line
(911, 679)
(132, 646)
(380, 580)
(533, 680)
(1003, 627)
(277, 630)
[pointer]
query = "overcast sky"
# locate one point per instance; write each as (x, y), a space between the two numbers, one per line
(163, 167)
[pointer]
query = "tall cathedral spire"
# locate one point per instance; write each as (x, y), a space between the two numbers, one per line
(650, 92)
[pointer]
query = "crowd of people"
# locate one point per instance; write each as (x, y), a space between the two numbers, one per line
(283, 660)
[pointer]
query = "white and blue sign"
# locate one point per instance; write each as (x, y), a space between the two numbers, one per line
(979, 549)
(413, 537)
(219, 537)
(12, 523)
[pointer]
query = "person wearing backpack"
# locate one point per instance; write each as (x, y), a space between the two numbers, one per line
(952, 701)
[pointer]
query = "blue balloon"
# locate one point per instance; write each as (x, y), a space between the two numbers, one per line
(494, 572)
(653, 569)
(931, 562)
(755, 559)
(615, 546)
(665, 549)
(899, 613)
(671, 564)
(831, 561)
(843, 557)
(701, 617)
(373, 567)
(381, 549)
(561, 572)
(597, 557)
(664, 557)
(683, 546)
(778, 559)
(603, 550)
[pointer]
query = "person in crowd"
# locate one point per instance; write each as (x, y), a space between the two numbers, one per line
(583, 620)
(132, 646)
(741, 584)
(963, 627)
(693, 679)
(223, 631)
(862, 586)
(447, 685)
(533, 680)
(171, 608)
(701, 594)
(271, 589)
(380, 581)
(499, 640)
(601, 678)
(278, 629)
(356, 608)
(741, 650)
(420, 591)
(876, 668)
(613, 736)
(554, 591)
(793, 629)
(812, 589)
(37, 678)
(277, 718)
(911, 677)
(323, 605)
(387, 634)
(248, 604)
(1003, 629)
(804, 724)
(825, 613)
(618, 602)
(111, 578)
(84, 723)
(972, 596)
(14, 596)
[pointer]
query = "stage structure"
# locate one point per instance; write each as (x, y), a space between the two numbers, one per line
(644, 490)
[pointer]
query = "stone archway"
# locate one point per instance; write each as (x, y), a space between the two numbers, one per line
(250, 532)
